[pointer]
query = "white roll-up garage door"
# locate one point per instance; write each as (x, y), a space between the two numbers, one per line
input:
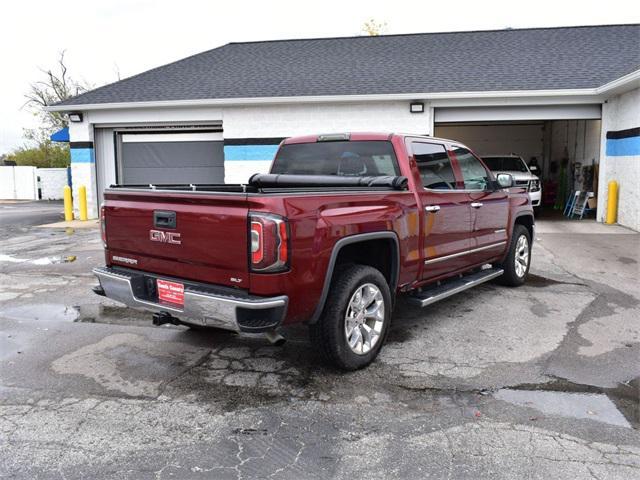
(170, 157)
(517, 113)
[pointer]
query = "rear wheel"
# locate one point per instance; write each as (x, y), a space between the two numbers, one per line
(356, 318)
(516, 264)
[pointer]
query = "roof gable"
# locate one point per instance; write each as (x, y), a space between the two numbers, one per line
(497, 60)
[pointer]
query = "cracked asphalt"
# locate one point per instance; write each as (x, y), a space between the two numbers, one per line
(536, 382)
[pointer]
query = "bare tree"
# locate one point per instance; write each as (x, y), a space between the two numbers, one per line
(373, 28)
(57, 86)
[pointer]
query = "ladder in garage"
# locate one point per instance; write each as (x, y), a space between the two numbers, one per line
(577, 205)
(447, 288)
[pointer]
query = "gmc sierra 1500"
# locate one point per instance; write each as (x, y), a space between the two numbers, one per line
(342, 225)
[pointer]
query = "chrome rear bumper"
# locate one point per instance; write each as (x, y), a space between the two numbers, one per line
(247, 314)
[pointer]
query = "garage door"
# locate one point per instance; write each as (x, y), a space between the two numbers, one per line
(162, 158)
(517, 113)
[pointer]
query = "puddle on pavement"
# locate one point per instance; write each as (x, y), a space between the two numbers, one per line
(592, 406)
(42, 311)
(39, 261)
(619, 406)
(93, 313)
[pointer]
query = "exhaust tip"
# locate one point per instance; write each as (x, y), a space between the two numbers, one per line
(275, 338)
(98, 290)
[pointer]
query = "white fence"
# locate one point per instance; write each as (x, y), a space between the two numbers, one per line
(52, 183)
(21, 183)
(18, 183)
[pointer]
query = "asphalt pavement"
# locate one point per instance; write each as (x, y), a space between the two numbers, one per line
(540, 381)
(16, 214)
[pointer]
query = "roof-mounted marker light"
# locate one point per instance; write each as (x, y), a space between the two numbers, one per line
(333, 137)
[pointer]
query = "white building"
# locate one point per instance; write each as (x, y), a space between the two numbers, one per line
(562, 95)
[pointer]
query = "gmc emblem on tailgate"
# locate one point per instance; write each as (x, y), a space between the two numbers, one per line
(165, 237)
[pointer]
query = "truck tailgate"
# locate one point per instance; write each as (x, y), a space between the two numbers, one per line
(207, 244)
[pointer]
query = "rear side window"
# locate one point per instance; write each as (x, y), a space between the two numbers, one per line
(434, 166)
(345, 159)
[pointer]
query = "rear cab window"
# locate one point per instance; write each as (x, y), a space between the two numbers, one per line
(434, 165)
(341, 158)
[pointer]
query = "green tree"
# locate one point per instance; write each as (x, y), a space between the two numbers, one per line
(44, 155)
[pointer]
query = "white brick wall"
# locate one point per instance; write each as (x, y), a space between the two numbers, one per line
(52, 182)
(304, 119)
(620, 113)
(269, 121)
(84, 174)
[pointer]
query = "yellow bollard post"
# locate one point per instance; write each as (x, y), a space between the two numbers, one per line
(82, 193)
(612, 203)
(68, 204)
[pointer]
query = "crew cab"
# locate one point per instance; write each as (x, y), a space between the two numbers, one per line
(341, 226)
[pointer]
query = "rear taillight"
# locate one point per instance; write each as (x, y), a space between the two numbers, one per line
(269, 243)
(103, 227)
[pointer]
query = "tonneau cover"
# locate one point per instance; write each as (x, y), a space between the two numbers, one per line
(266, 180)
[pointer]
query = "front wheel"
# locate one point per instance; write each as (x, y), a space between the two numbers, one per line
(516, 264)
(355, 319)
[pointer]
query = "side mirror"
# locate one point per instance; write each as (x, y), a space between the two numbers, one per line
(504, 180)
(533, 168)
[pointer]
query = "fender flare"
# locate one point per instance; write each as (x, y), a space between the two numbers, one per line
(357, 238)
(533, 223)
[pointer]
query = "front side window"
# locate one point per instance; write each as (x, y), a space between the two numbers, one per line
(344, 158)
(434, 166)
(474, 174)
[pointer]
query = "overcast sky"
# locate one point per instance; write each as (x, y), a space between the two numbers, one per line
(131, 36)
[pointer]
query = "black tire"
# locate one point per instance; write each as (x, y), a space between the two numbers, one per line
(537, 211)
(510, 277)
(328, 333)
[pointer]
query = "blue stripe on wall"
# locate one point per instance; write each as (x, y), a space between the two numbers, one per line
(250, 152)
(623, 147)
(82, 155)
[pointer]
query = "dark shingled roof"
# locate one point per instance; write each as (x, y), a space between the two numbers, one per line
(526, 59)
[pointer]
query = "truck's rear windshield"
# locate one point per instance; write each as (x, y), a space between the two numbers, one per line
(346, 158)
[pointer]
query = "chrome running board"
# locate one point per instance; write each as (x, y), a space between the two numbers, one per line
(448, 288)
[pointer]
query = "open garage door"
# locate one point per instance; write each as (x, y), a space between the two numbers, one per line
(170, 157)
(562, 140)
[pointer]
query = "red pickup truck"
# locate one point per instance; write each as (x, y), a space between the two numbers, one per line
(342, 225)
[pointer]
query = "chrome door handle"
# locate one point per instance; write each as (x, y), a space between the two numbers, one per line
(432, 208)
(476, 204)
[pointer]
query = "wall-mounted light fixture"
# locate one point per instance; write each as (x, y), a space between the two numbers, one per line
(416, 107)
(75, 117)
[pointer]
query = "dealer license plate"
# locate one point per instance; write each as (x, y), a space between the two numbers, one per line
(170, 292)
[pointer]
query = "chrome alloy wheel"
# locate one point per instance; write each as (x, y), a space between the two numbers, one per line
(364, 319)
(522, 256)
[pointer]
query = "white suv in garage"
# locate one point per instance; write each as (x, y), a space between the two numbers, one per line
(518, 169)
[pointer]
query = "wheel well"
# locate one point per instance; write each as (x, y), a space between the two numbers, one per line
(379, 253)
(527, 221)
